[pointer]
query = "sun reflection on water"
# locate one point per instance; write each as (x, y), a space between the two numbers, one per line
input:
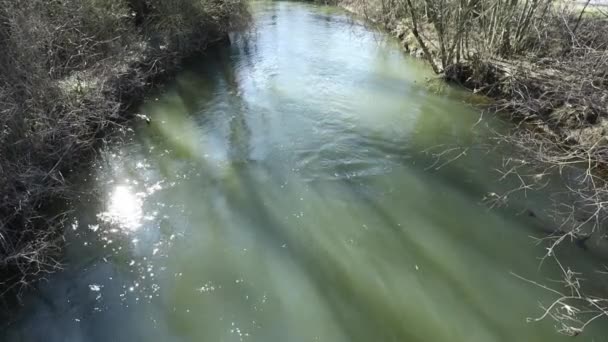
(124, 208)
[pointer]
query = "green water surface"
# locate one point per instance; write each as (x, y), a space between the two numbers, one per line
(288, 189)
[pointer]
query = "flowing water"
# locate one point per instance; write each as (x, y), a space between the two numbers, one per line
(289, 188)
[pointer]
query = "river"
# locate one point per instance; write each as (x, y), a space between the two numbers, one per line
(288, 188)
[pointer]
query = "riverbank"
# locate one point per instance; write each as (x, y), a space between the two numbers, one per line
(545, 67)
(280, 173)
(70, 72)
(553, 84)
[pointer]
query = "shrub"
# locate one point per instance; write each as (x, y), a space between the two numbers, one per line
(68, 71)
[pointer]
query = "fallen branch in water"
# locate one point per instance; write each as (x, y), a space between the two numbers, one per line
(572, 310)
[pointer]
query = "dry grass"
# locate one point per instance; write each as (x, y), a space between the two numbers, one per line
(69, 69)
(545, 63)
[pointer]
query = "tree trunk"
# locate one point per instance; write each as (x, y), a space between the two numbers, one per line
(427, 53)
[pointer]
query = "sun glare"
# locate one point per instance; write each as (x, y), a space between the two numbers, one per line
(124, 208)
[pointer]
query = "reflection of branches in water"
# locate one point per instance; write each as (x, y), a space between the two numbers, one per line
(445, 156)
(221, 70)
(579, 211)
(510, 169)
(462, 139)
(581, 202)
(572, 310)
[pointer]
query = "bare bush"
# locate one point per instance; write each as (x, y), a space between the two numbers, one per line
(68, 71)
(546, 64)
(573, 310)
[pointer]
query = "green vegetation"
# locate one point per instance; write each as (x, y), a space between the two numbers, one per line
(69, 70)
